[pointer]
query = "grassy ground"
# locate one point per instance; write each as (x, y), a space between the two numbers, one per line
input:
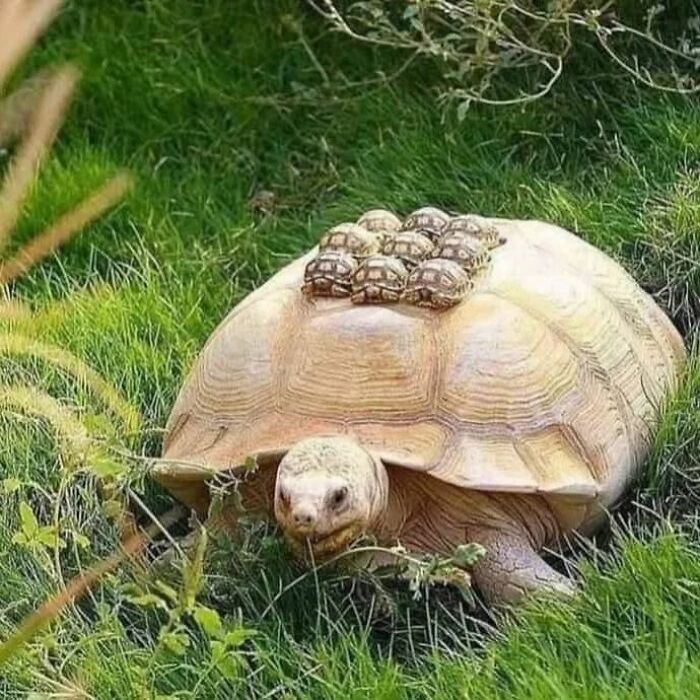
(208, 105)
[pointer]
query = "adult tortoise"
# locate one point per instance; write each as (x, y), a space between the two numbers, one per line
(511, 419)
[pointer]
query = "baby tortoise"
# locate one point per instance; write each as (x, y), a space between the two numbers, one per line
(410, 247)
(352, 239)
(467, 251)
(379, 279)
(437, 283)
(476, 226)
(380, 221)
(429, 221)
(329, 274)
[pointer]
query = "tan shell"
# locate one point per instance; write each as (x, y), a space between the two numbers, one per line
(428, 221)
(329, 274)
(468, 252)
(477, 226)
(352, 239)
(380, 221)
(547, 379)
(437, 283)
(410, 247)
(379, 279)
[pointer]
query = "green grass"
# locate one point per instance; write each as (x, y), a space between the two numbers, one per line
(209, 103)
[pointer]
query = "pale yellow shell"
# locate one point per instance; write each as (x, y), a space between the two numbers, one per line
(546, 379)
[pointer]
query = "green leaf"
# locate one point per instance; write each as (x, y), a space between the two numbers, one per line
(168, 591)
(104, 466)
(236, 637)
(147, 600)
(208, 620)
(81, 541)
(176, 642)
(20, 538)
(466, 555)
(11, 485)
(227, 663)
(194, 568)
(48, 536)
(112, 508)
(29, 523)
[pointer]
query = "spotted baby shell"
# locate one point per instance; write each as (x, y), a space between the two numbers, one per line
(476, 226)
(410, 247)
(352, 239)
(437, 283)
(429, 221)
(379, 279)
(380, 221)
(329, 274)
(468, 252)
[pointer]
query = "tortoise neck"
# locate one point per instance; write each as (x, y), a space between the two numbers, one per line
(399, 507)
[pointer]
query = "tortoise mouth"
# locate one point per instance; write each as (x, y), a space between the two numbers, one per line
(328, 544)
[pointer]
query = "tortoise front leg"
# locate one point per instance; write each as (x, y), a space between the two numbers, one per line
(512, 568)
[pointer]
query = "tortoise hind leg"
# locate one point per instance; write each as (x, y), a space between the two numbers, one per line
(512, 568)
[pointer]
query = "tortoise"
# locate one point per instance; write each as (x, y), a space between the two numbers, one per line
(329, 274)
(410, 247)
(352, 239)
(468, 252)
(380, 221)
(429, 221)
(476, 226)
(378, 279)
(437, 283)
(511, 420)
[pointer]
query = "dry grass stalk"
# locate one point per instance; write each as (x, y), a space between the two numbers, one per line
(17, 108)
(21, 24)
(45, 124)
(26, 346)
(65, 228)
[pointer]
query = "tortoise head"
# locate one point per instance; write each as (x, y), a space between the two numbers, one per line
(329, 492)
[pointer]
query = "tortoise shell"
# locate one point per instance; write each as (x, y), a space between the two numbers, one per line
(380, 221)
(437, 283)
(408, 246)
(477, 226)
(378, 279)
(468, 252)
(351, 239)
(428, 220)
(329, 274)
(547, 379)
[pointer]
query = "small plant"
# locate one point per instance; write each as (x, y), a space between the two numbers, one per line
(183, 610)
(504, 52)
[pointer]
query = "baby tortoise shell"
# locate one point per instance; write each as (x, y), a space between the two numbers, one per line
(380, 221)
(437, 283)
(467, 251)
(378, 279)
(352, 239)
(476, 226)
(428, 221)
(410, 247)
(329, 274)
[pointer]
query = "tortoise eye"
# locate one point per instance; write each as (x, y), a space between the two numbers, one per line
(339, 496)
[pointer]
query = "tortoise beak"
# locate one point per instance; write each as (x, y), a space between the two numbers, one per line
(326, 545)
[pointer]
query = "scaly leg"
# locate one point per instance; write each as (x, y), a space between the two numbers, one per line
(512, 568)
